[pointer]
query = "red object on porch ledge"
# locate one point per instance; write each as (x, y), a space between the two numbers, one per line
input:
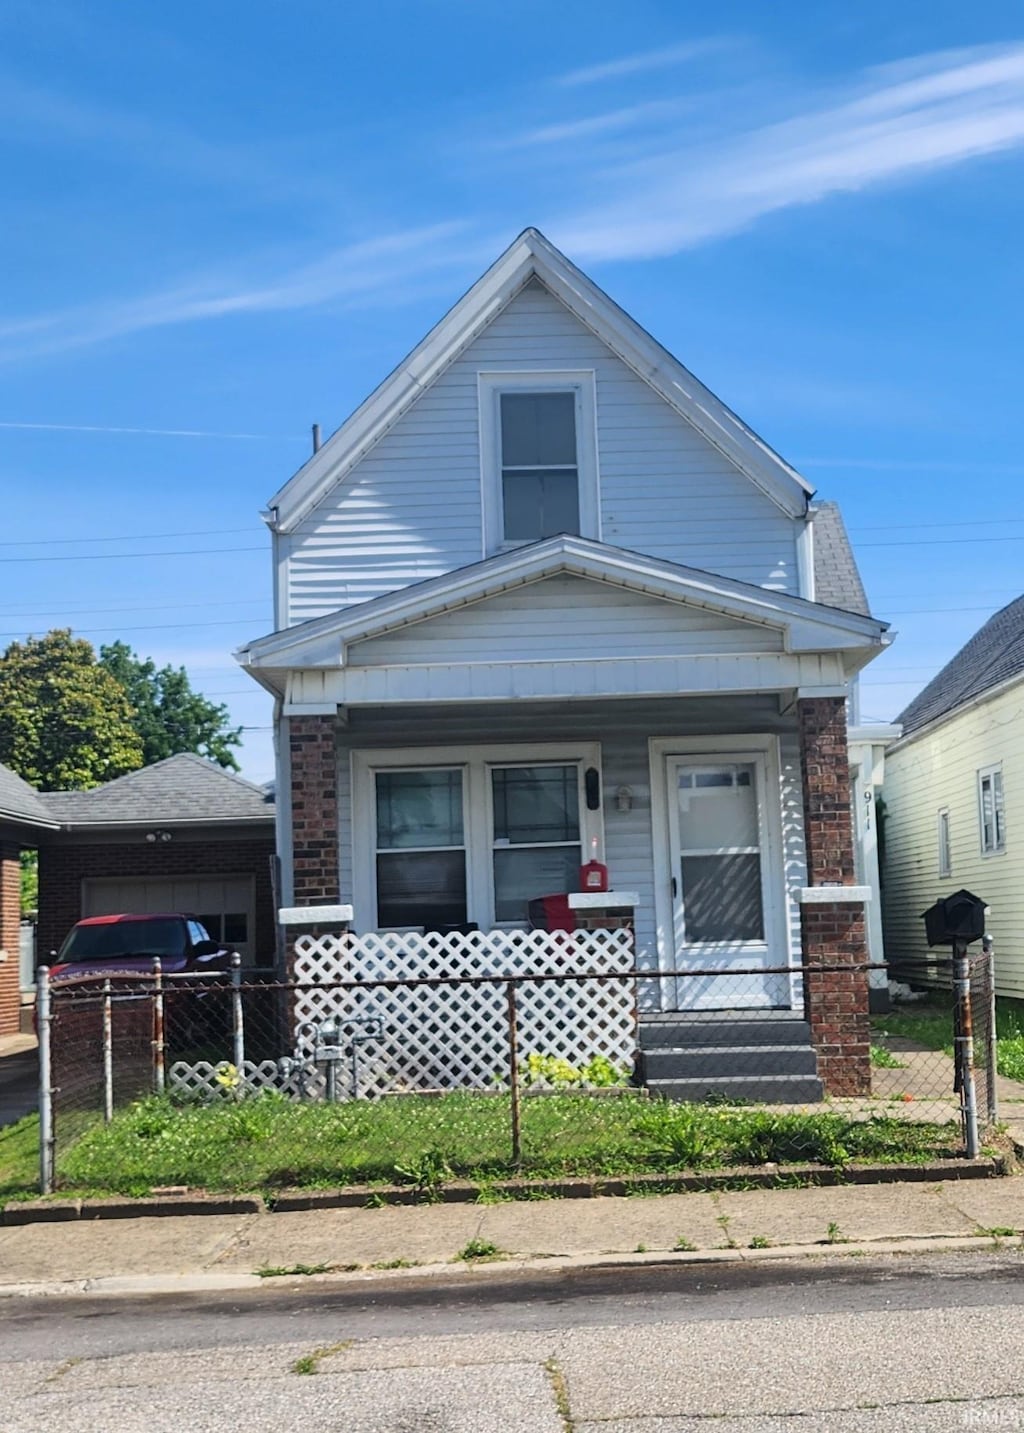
(551, 913)
(594, 875)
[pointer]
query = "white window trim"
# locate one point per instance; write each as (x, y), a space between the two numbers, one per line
(943, 842)
(987, 773)
(491, 384)
(475, 762)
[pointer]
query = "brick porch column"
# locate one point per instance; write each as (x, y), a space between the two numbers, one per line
(833, 929)
(10, 937)
(314, 794)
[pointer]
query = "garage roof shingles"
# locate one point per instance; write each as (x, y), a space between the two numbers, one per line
(183, 788)
(994, 655)
(21, 802)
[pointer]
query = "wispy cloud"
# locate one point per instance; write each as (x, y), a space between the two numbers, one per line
(902, 120)
(646, 60)
(142, 432)
(614, 121)
(352, 274)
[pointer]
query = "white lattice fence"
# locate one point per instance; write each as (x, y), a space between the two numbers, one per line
(456, 1036)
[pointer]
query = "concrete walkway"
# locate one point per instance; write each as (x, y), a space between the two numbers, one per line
(19, 1077)
(214, 1251)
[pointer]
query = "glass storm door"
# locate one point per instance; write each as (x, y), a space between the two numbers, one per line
(723, 903)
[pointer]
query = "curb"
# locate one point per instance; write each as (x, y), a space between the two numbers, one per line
(51, 1211)
(498, 1271)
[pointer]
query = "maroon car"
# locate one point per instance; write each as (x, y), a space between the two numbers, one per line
(129, 943)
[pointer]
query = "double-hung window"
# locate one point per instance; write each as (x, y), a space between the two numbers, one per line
(539, 459)
(991, 816)
(439, 844)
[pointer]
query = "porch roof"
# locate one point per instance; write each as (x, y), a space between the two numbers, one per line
(323, 642)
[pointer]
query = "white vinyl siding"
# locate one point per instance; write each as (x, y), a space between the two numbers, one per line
(939, 769)
(563, 616)
(411, 509)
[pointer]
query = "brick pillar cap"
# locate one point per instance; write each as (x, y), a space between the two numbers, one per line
(314, 915)
(830, 895)
(602, 900)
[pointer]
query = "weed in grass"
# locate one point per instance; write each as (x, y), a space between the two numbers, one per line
(478, 1249)
(684, 1245)
(427, 1174)
(375, 1201)
(493, 1196)
(1000, 1231)
(884, 1059)
(394, 1264)
(759, 1242)
(310, 1362)
(278, 1271)
(723, 1221)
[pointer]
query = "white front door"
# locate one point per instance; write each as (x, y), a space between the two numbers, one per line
(726, 889)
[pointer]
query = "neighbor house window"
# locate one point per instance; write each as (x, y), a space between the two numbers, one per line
(536, 823)
(945, 859)
(421, 853)
(991, 815)
(539, 457)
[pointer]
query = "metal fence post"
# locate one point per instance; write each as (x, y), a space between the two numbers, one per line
(991, 1035)
(159, 1071)
(108, 1054)
(237, 1021)
(43, 1018)
(513, 1071)
(964, 1049)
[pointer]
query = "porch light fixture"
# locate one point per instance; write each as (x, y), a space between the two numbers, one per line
(152, 836)
(624, 798)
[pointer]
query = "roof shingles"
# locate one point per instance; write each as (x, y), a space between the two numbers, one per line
(993, 655)
(181, 788)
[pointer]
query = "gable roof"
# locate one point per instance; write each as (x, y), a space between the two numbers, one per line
(993, 656)
(530, 256)
(837, 581)
(21, 802)
(182, 790)
(580, 556)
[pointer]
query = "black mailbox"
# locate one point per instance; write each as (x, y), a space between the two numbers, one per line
(957, 919)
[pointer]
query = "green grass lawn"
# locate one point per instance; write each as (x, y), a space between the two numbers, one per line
(19, 1158)
(268, 1142)
(933, 1028)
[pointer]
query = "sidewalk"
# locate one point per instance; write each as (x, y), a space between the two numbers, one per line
(226, 1250)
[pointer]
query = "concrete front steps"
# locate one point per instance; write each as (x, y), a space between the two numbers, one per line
(763, 1055)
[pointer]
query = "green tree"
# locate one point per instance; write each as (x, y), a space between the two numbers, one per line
(169, 716)
(65, 721)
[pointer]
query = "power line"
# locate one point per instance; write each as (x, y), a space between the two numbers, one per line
(148, 432)
(117, 556)
(126, 607)
(152, 627)
(127, 537)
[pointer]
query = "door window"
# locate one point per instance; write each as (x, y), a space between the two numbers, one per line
(719, 853)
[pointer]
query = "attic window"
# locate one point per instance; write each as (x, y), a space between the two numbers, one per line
(538, 456)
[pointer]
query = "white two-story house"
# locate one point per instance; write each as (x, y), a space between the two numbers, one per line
(543, 598)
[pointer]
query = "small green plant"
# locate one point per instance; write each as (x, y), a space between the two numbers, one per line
(884, 1059)
(279, 1271)
(760, 1242)
(835, 1235)
(723, 1221)
(310, 1362)
(640, 1249)
(394, 1264)
(552, 1071)
(375, 1201)
(684, 1245)
(426, 1173)
(478, 1249)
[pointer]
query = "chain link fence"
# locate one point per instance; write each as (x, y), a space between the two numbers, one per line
(588, 1065)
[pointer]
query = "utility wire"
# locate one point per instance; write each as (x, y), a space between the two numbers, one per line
(127, 537)
(116, 556)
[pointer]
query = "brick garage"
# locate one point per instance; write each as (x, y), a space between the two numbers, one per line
(68, 861)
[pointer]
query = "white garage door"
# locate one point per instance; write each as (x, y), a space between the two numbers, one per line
(224, 904)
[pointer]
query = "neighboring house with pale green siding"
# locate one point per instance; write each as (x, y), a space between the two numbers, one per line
(954, 797)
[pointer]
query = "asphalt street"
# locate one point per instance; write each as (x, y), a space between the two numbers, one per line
(924, 1342)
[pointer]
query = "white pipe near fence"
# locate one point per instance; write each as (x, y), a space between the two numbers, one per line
(43, 1017)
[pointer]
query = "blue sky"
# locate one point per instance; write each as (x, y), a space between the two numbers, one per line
(225, 222)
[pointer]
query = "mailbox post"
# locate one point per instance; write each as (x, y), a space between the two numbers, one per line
(958, 921)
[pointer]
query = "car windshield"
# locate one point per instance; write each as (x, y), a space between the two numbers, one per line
(109, 941)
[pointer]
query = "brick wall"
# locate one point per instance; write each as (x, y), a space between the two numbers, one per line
(10, 919)
(65, 865)
(833, 934)
(314, 792)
